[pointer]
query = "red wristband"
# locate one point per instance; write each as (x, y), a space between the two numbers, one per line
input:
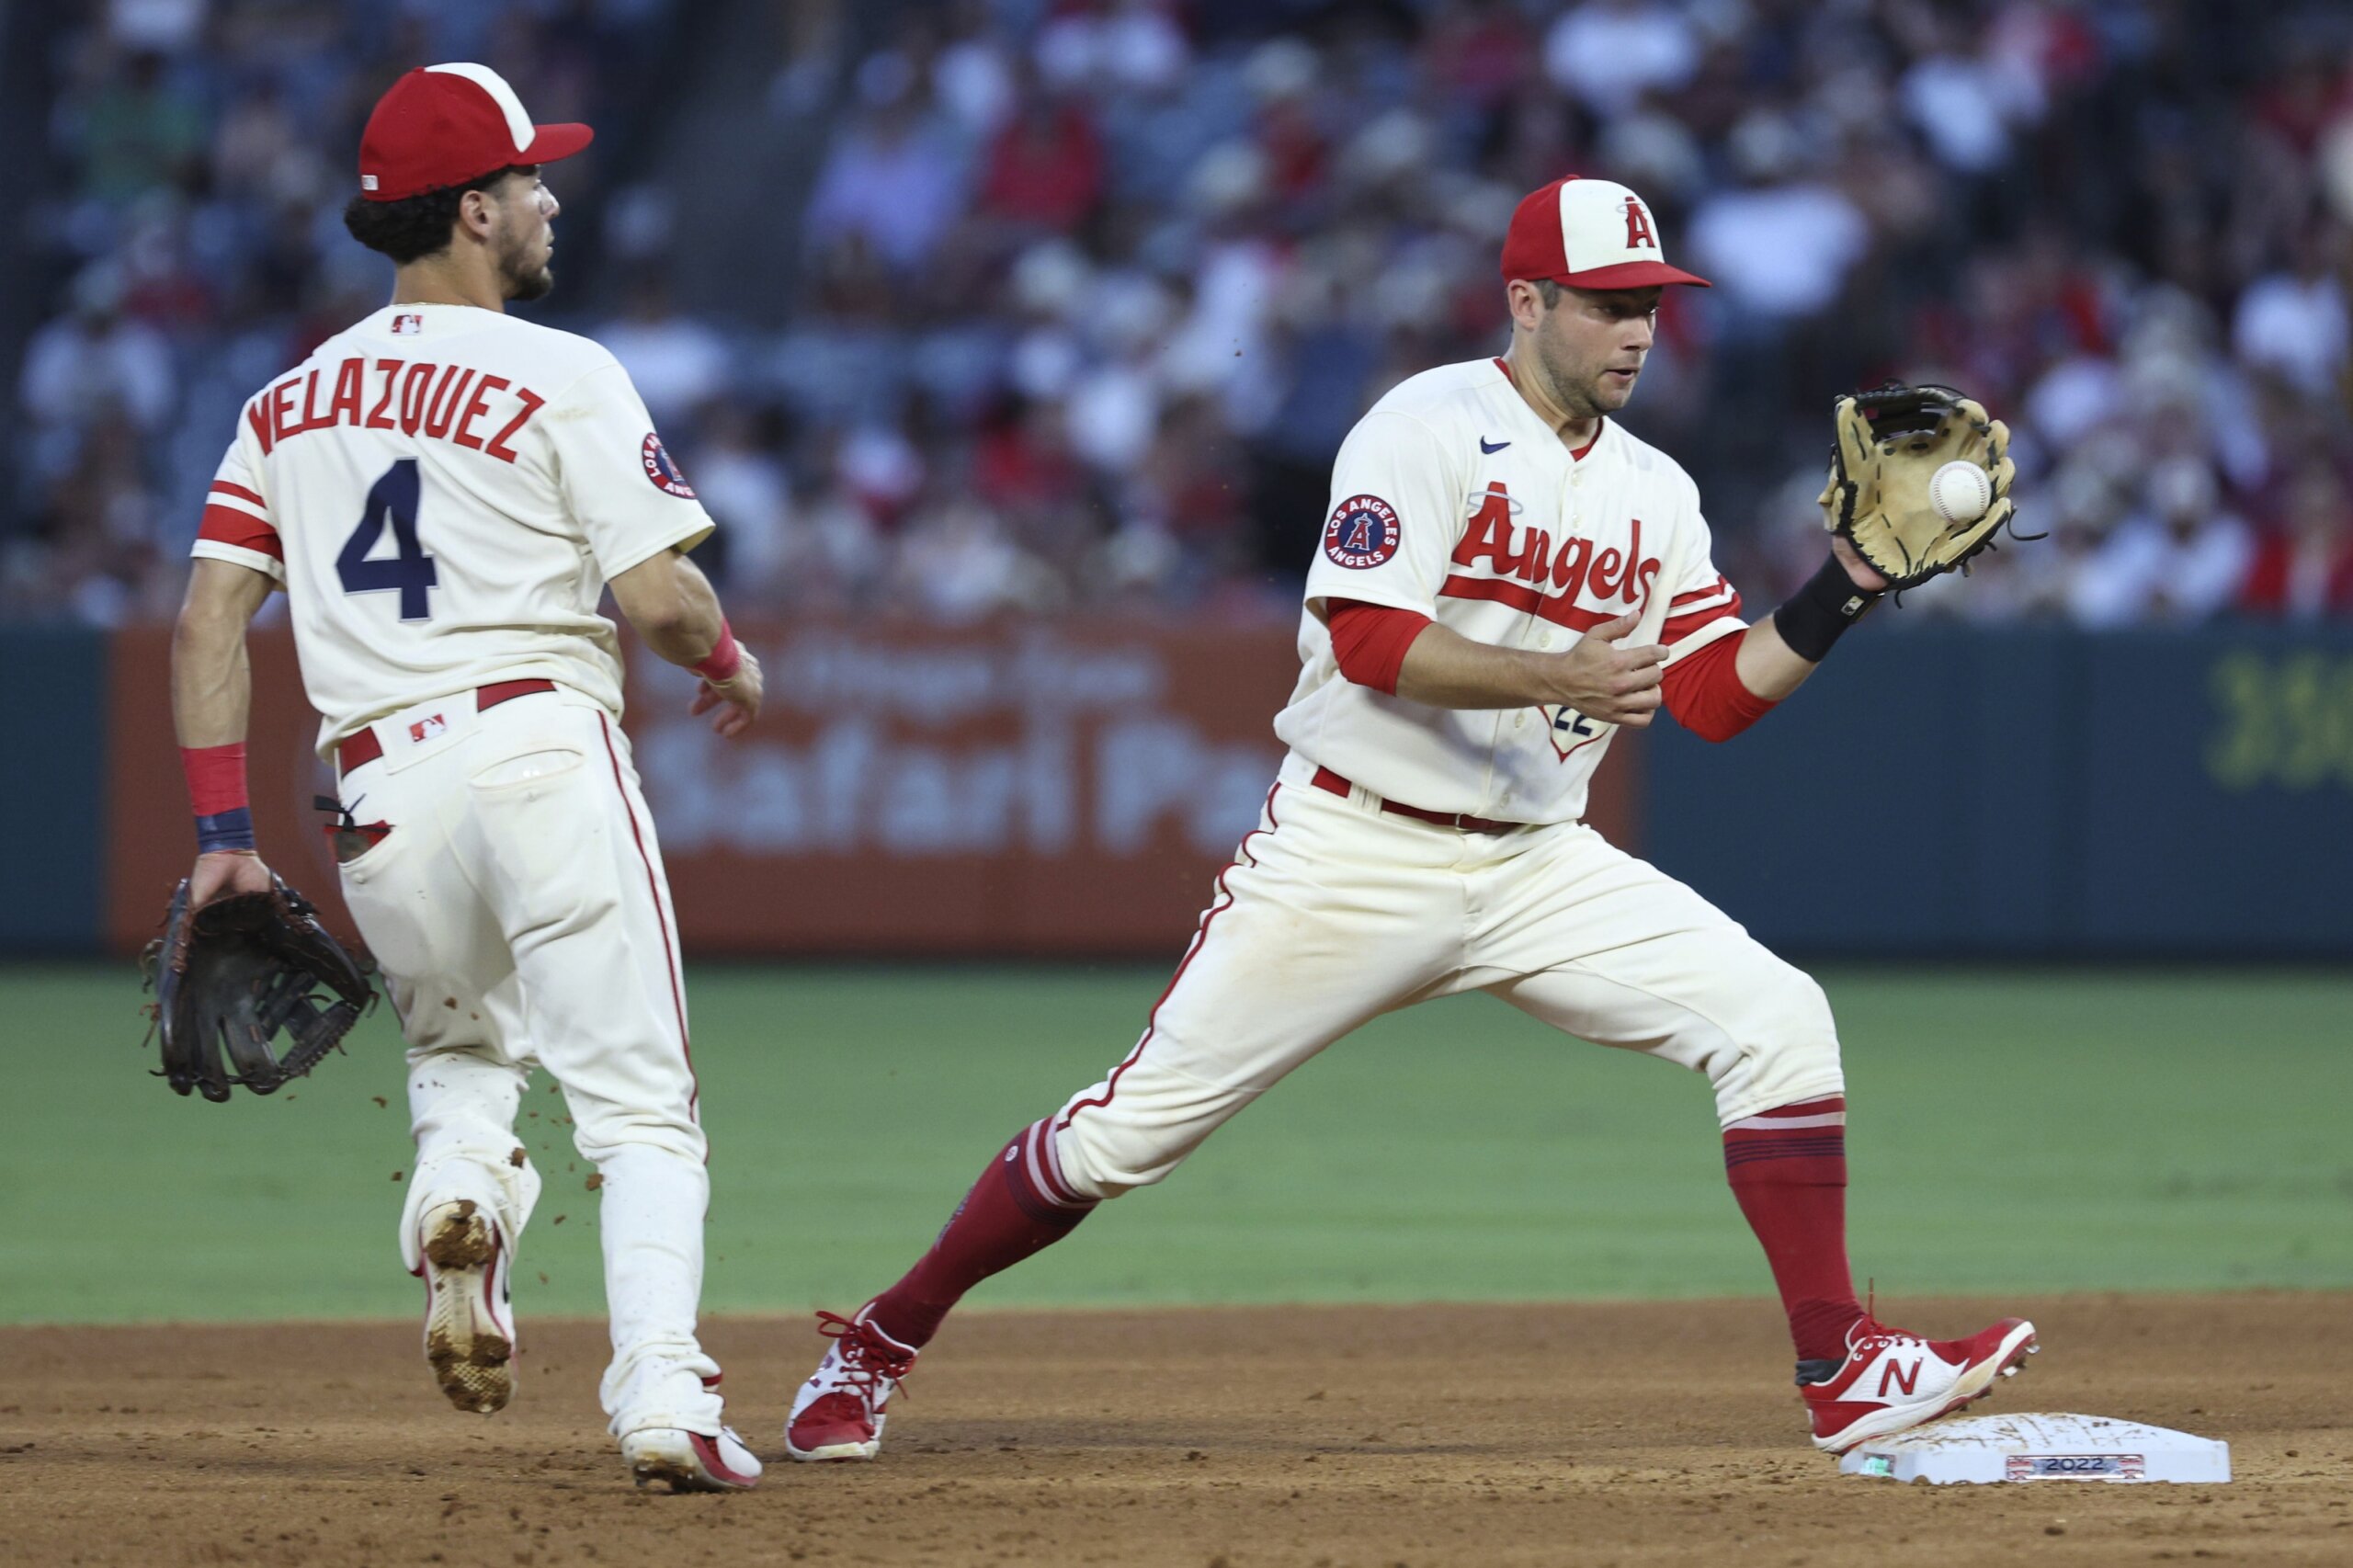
(719, 666)
(216, 778)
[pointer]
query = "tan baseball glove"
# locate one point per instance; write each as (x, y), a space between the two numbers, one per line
(1889, 444)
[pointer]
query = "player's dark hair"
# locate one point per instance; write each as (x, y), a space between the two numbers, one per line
(417, 225)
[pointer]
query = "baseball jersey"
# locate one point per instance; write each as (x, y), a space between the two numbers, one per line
(443, 493)
(1452, 499)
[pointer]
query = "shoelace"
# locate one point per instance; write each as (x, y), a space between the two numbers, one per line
(1873, 1334)
(1870, 1335)
(866, 1356)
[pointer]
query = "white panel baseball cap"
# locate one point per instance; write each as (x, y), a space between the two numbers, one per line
(444, 125)
(1589, 233)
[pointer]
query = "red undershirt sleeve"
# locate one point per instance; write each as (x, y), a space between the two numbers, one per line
(1705, 694)
(1371, 641)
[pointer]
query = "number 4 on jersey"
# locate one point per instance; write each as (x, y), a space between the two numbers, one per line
(394, 497)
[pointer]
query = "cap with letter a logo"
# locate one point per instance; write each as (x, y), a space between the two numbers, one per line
(444, 125)
(1589, 233)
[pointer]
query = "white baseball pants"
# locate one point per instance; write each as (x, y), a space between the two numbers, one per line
(521, 917)
(1335, 912)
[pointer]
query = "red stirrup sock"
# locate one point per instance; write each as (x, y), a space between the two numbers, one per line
(1019, 1206)
(1788, 1168)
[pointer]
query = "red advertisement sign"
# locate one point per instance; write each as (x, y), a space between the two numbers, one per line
(1033, 788)
(150, 844)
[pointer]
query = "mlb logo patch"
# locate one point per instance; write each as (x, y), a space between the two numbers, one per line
(408, 325)
(424, 729)
(1362, 532)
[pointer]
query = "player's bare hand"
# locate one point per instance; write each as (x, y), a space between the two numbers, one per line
(737, 702)
(225, 874)
(1857, 569)
(1617, 686)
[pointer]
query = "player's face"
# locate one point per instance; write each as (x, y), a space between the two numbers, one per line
(524, 236)
(1592, 344)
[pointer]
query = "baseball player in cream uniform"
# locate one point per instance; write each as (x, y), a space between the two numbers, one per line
(444, 492)
(1507, 578)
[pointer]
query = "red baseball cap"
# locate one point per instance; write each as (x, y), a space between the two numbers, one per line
(444, 125)
(1588, 233)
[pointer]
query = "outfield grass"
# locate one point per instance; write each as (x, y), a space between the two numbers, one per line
(2013, 1129)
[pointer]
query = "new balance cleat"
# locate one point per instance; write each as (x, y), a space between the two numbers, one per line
(1892, 1382)
(838, 1413)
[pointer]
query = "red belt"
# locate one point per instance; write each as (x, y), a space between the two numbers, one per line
(363, 747)
(1327, 780)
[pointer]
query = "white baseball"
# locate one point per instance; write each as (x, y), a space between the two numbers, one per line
(1960, 492)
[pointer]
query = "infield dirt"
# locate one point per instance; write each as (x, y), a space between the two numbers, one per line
(1615, 1434)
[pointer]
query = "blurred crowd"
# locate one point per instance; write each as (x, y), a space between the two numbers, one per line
(1089, 291)
(189, 218)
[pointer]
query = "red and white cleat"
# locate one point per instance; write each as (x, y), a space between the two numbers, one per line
(1892, 1382)
(469, 1321)
(690, 1461)
(838, 1413)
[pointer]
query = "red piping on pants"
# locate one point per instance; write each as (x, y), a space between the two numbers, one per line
(1241, 853)
(654, 886)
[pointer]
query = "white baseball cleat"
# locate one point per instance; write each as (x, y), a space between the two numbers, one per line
(838, 1413)
(1892, 1382)
(690, 1461)
(469, 1321)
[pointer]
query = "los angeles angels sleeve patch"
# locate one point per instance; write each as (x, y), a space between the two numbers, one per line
(1363, 532)
(663, 468)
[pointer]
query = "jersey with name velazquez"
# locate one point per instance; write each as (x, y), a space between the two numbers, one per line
(443, 493)
(1454, 499)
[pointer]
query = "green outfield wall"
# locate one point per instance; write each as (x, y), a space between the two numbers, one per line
(53, 759)
(2027, 794)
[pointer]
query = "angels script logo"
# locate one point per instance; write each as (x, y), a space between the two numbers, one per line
(1578, 582)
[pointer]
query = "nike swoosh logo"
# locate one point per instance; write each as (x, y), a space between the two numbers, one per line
(1491, 447)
